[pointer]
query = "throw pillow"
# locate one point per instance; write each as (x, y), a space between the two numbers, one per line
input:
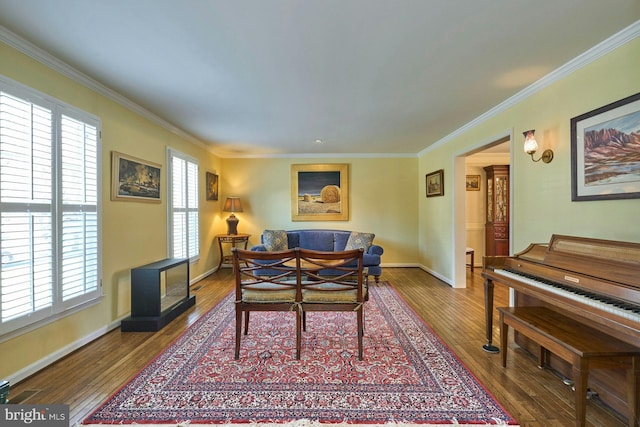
(275, 240)
(359, 240)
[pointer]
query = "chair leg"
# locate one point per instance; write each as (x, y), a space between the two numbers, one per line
(360, 331)
(246, 322)
(238, 331)
(304, 321)
(364, 320)
(298, 333)
(377, 279)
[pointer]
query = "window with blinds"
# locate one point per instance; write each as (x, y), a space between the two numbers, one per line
(183, 206)
(49, 207)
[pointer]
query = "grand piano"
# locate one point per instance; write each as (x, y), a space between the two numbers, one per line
(594, 281)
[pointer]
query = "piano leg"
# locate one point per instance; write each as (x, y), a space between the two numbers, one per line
(633, 377)
(488, 307)
(580, 380)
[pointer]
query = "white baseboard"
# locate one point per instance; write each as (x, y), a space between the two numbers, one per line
(437, 275)
(57, 355)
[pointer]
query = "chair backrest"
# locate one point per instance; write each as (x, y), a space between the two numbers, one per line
(246, 265)
(345, 267)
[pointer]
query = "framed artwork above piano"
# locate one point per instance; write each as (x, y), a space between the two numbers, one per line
(497, 204)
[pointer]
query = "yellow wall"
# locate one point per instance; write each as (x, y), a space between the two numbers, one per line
(541, 195)
(133, 233)
(382, 200)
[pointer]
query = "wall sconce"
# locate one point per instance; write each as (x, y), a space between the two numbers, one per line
(531, 146)
(233, 204)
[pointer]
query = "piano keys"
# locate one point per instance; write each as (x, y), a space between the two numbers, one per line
(594, 281)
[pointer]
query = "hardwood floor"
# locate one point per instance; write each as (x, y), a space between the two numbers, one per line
(534, 397)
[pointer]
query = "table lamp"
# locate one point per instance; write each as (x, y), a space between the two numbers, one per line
(232, 205)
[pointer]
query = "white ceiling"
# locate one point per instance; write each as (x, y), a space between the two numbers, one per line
(270, 77)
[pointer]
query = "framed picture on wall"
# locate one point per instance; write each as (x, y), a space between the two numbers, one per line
(473, 183)
(320, 192)
(212, 186)
(134, 179)
(435, 183)
(605, 152)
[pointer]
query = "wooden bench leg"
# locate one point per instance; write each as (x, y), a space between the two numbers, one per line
(504, 335)
(542, 357)
(580, 381)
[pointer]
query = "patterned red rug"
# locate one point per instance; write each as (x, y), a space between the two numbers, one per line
(408, 375)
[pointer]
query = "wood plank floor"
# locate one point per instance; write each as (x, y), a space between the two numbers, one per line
(534, 397)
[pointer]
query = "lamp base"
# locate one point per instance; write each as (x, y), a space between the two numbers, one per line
(232, 224)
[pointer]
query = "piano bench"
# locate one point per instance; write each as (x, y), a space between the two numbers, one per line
(582, 346)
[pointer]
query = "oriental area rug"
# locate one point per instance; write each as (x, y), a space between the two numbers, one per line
(408, 375)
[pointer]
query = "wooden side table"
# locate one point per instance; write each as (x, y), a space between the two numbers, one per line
(233, 240)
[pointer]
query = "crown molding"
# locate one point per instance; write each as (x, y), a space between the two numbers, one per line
(13, 40)
(321, 155)
(612, 43)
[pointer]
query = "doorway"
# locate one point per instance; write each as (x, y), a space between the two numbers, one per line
(469, 220)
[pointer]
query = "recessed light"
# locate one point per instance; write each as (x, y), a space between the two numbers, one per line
(318, 141)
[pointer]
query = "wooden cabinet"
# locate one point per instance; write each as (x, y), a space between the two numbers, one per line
(497, 203)
(159, 293)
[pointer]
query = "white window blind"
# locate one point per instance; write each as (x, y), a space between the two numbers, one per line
(183, 206)
(49, 207)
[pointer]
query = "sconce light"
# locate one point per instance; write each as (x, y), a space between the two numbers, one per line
(531, 146)
(233, 204)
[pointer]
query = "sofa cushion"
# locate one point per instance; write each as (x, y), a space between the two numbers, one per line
(331, 293)
(269, 293)
(359, 240)
(316, 240)
(275, 240)
(340, 240)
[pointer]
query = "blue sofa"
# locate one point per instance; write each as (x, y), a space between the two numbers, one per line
(327, 241)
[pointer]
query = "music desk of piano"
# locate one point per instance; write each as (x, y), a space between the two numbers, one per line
(593, 281)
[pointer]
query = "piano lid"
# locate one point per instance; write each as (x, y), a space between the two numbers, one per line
(611, 260)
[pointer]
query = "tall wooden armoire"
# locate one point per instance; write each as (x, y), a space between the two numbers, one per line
(497, 225)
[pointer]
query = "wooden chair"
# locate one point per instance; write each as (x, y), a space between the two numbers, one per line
(265, 293)
(333, 282)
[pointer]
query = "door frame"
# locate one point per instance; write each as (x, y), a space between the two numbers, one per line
(459, 232)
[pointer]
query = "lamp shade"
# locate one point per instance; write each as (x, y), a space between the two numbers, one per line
(530, 143)
(233, 204)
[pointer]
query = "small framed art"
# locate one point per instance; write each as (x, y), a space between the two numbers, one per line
(435, 183)
(473, 183)
(212, 186)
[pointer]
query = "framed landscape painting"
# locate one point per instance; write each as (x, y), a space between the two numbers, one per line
(435, 183)
(320, 192)
(134, 179)
(605, 152)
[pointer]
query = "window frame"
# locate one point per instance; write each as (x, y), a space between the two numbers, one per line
(171, 154)
(56, 208)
